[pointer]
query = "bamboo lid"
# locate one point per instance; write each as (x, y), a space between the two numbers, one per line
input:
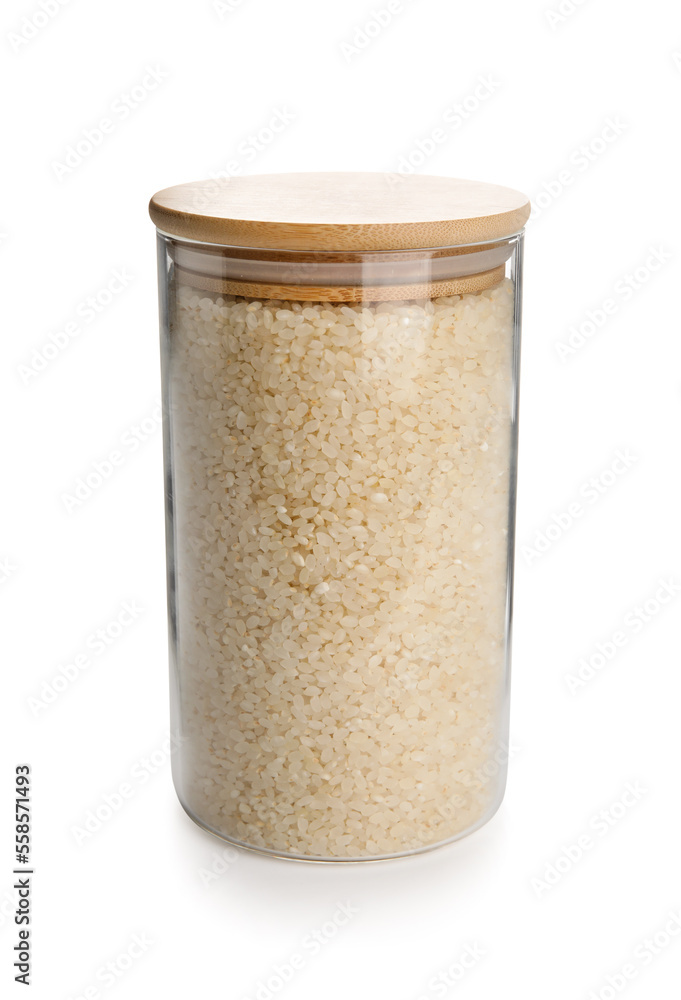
(342, 293)
(339, 211)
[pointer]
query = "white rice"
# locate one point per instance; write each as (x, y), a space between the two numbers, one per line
(341, 480)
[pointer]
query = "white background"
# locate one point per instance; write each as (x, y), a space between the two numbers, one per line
(555, 84)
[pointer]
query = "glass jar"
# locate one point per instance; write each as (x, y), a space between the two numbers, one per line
(340, 360)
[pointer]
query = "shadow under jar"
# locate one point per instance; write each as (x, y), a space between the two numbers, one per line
(340, 358)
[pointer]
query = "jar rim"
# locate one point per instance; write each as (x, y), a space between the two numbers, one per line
(338, 277)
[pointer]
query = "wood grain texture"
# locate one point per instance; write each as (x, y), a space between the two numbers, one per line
(341, 293)
(339, 211)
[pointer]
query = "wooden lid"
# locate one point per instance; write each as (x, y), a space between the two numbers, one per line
(339, 211)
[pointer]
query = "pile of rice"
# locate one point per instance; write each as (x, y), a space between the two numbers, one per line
(341, 481)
